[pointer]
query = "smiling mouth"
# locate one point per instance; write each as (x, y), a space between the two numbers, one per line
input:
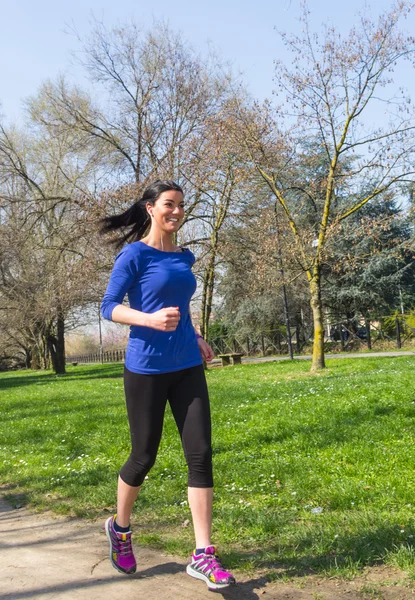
(173, 220)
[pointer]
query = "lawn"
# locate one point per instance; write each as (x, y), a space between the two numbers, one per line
(313, 473)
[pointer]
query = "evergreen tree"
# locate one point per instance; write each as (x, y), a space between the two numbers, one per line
(371, 271)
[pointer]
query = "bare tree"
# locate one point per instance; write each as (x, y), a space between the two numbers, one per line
(155, 118)
(154, 96)
(216, 181)
(45, 261)
(328, 92)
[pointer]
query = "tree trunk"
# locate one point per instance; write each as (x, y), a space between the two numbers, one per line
(35, 358)
(28, 358)
(56, 345)
(45, 355)
(36, 346)
(287, 318)
(207, 295)
(60, 327)
(317, 308)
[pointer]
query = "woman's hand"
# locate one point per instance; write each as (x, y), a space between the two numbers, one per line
(205, 350)
(165, 319)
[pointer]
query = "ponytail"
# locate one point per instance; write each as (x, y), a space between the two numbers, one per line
(136, 218)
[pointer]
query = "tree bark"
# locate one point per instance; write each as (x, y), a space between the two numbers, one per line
(35, 358)
(318, 361)
(56, 344)
(60, 327)
(28, 358)
(207, 295)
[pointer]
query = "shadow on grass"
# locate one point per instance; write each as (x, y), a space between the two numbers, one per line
(352, 553)
(16, 500)
(56, 406)
(113, 371)
(342, 427)
(39, 491)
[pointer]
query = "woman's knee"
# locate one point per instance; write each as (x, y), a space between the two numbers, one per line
(136, 468)
(200, 468)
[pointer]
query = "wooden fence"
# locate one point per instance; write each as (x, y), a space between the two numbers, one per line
(341, 336)
(103, 357)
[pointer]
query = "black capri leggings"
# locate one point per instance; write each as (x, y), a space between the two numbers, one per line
(146, 398)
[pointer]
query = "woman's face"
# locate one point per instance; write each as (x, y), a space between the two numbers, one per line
(167, 212)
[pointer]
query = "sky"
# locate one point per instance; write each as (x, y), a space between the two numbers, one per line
(36, 40)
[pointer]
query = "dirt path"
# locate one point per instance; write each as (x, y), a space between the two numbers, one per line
(50, 557)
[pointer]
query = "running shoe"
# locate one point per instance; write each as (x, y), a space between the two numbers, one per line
(208, 568)
(121, 550)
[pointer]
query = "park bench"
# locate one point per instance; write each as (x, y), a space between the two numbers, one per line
(227, 359)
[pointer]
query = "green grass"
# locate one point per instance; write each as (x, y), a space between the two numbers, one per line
(313, 473)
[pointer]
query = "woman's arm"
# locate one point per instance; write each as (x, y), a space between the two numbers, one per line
(205, 350)
(126, 270)
(165, 319)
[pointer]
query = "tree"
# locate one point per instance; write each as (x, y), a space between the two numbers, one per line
(257, 267)
(370, 271)
(328, 91)
(155, 95)
(215, 174)
(156, 118)
(46, 269)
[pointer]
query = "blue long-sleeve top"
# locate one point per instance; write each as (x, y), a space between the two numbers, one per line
(154, 279)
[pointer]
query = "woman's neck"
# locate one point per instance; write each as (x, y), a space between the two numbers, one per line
(160, 241)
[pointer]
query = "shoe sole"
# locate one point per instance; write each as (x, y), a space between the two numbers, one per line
(107, 522)
(212, 586)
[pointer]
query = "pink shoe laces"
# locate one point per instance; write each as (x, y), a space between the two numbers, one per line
(209, 563)
(124, 545)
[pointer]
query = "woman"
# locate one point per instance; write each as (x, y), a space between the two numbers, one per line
(163, 362)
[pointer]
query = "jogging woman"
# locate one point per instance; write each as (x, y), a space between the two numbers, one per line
(163, 363)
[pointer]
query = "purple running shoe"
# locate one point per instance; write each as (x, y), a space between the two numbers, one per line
(208, 568)
(121, 550)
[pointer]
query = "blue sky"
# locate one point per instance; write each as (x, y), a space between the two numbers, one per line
(35, 47)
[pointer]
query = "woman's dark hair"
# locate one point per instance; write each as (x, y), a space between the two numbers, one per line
(136, 218)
